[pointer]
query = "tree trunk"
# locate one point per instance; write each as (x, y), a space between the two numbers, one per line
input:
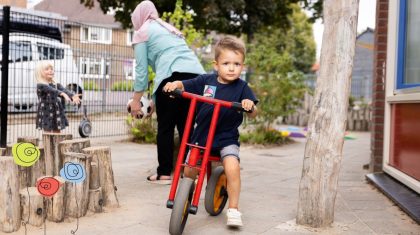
(38, 168)
(77, 194)
(32, 204)
(102, 155)
(94, 176)
(327, 123)
(53, 162)
(9, 195)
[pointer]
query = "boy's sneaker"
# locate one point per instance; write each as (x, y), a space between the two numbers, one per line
(234, 218)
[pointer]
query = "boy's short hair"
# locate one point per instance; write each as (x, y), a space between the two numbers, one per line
(229, 43)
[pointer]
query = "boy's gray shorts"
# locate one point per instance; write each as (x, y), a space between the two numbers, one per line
(230, 150)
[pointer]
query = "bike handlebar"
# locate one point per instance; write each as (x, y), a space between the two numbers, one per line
(227, 104)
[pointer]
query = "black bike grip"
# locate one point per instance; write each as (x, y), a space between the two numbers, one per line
(176, 93)
(238, 106)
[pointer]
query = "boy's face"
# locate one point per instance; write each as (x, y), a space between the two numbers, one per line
(48, 73)
(229, 66)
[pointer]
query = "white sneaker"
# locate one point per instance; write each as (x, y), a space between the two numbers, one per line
(234, 218)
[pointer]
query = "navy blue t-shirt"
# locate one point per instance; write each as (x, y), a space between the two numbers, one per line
(229, 119)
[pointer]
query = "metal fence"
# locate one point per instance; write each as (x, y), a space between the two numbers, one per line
(94, 61)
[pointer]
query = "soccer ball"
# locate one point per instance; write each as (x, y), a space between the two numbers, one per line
(145, 107)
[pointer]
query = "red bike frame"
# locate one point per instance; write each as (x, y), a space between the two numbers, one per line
(195, 154)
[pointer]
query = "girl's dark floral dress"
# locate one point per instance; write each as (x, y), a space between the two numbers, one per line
(50, 115)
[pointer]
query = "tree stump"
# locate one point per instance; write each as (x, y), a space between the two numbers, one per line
(74, 146)
(32, 206)
(102, 155)
(28, 139)
(53, 162)
(95, 200)
(55, 204)
(9, 195)
(77, 194)
(38, 169)
(94, 176)
(3, 152)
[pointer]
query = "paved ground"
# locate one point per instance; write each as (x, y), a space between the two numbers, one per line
(268, 201)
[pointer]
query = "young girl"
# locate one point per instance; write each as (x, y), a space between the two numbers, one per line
(51, 116)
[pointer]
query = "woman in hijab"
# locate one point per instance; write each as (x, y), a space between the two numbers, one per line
(162, 46)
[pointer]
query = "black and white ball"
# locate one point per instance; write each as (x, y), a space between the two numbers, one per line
(145, 107)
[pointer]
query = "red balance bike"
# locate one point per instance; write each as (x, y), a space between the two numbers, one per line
(187, 192)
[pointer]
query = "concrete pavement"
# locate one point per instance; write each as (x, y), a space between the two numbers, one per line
(270, 181)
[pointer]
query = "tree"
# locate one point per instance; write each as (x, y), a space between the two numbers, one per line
(233, 16)
(278, 58)
(327, 122)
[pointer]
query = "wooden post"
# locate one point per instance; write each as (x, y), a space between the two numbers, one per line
(55, 204)
(77, 194)
(9, 195)
(28, 139)
(32, 206)
(327, 124)
(95, 200)
(102, 155)
(53, 162)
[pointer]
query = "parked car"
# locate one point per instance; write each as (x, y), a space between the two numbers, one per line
(25, 51)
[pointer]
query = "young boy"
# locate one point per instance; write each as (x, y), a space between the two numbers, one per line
(223, 85)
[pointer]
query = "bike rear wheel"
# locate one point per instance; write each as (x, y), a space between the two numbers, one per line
(216, 192)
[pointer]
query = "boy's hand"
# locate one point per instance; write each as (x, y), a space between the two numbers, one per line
(247, 104)
(171, 86)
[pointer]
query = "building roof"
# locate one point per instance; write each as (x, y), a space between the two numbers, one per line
(77, 12)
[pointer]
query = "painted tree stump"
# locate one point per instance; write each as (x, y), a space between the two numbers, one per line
(102, 155)
(77, 194)
(9, 195)
(53, 162)
(55, 204)
(32, 206)
(95, 200)
(28, 139)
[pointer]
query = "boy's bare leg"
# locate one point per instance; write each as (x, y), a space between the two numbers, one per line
(232, 171)
(190, 172)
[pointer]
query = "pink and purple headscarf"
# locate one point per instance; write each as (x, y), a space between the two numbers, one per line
(141, 17)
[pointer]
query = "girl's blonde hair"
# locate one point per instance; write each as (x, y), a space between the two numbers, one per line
(40, 69)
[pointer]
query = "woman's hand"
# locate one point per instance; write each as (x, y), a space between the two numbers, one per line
(152, 108)
(135, 108)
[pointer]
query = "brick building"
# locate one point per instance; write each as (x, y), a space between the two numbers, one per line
(395, 139)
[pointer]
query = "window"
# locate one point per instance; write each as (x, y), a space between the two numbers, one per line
(95, 68)
(408, 68)
(96, 34)
(20, 51)
(46, 52)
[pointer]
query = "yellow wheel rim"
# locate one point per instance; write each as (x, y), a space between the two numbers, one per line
(218, 198)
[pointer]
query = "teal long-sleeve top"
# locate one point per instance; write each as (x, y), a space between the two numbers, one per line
(165, 53)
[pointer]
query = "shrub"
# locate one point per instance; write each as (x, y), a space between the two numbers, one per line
(143, 130)
(123, 86)
(90, 86)
(264, 136)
